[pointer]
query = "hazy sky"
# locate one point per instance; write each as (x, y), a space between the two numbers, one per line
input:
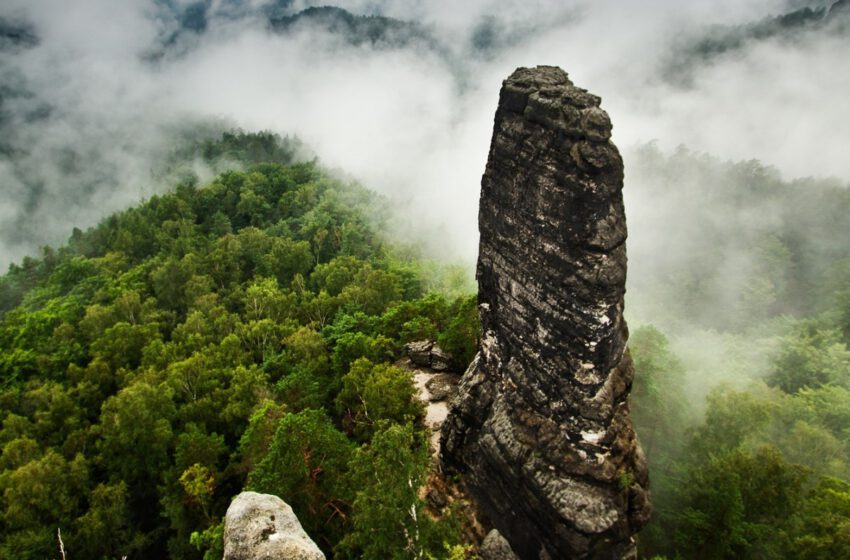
(411, 122)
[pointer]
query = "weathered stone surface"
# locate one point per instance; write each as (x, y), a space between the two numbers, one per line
(541, 425)
(442, 386)
(440, 359)
(263, 527)
(419, 352)
(426, 354)
(496, 547)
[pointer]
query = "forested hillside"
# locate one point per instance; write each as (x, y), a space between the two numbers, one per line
(729, 245)
(188, 311)
(235, 335)
(742, 390)
(242, 334)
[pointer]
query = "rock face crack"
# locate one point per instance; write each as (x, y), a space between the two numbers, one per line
(541, 427)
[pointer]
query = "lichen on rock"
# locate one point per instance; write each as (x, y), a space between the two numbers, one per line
(541, 428)
(495, 547)
(264, 527)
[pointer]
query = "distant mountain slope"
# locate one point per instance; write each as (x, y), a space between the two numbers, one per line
(356, 29)
(16, 35)
(692, 52)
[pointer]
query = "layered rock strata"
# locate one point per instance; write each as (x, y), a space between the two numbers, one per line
(541, 428)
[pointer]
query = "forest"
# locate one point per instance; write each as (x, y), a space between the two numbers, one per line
(243, 334)
(236, 335)
(740, 330)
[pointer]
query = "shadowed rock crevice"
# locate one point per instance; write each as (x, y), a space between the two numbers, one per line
(541, 427)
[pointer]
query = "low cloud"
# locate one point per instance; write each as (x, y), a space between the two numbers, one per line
(98, 101)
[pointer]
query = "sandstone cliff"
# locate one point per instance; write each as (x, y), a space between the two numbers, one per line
(541, 427)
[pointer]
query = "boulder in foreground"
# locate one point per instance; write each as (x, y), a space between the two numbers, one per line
(264, 527)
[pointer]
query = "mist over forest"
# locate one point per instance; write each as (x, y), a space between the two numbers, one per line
(400, 99)
(732, 120)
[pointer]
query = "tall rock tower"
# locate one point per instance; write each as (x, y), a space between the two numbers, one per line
(541, 428)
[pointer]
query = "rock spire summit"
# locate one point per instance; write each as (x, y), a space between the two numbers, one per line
(541, 428)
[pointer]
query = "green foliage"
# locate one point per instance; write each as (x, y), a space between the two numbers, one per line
(257, 437)
(373, 393)
(352, 346)
(308, 380)
(659, 403)
(734, 485)
(748, 246)
(388, 517)
(198, 342)
(210, 541)
(737, 504)
(48, 488)
(105, 530)
(460, 338)
(811, 357)
(305, 465)
(822, 528)
(239, 147)
(136, 433)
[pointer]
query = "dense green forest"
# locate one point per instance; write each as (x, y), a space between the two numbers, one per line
(238, 335)
(742, 390)
(243, 334)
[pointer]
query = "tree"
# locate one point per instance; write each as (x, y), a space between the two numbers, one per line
(198, 482)
(737, 505)
(811, 357)
(139, 355)
(657, 398)
(265, 300)
(388, 517)
(823, 530)
(47, 490)
(136, 436)
(169, 283)
(288, 258)
(305, 466)
(460, 338)
(353, 345)
(37, 497)
(372, 290)
(336, 274)
(122, 344)
(375, 392)
(307, 381)
(54, 412)
(732, 419)
(190, 494)
(105, 531)
(257, 436)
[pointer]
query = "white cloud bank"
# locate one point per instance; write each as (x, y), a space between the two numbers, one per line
(412, 122)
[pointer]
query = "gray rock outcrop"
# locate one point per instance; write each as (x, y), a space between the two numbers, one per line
(264, 527)
(419, 352)
(442, 386)
(540, 428)
(426, 353)
(440, 359)
(496, 547)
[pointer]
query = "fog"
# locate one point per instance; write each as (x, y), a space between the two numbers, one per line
(92, 110)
